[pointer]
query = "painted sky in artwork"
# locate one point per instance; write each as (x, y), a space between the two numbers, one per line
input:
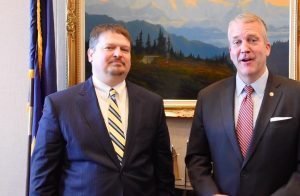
(190, 17)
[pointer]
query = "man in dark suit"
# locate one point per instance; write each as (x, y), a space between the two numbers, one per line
(92, 143)
(245, 136)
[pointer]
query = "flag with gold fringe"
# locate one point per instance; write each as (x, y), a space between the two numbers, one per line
(42, 57)
(42, 65)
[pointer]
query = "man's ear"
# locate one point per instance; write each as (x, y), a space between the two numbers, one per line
(268, 48)
(90, 53)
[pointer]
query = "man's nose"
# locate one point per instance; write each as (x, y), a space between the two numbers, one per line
(117, 52)
(245, 47)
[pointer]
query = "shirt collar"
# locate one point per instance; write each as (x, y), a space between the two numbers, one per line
(104, 88)
(259, 85)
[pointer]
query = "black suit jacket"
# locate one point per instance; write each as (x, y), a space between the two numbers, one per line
(274, 155)
(74, 155)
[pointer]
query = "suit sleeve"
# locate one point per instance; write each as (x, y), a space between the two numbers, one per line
(47, 154)
(163, 158)
(293, 185)
(198, 160)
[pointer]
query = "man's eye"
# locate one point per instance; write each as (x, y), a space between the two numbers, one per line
(126, 50)
(236, 42)
(109, 48)
(253, 40)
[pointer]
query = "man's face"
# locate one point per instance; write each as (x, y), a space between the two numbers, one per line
(111, 58)
(248, 49)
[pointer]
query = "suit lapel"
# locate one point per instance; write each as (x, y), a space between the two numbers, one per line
(270, 101)
(89, 106)
(134, 112)
(227, 108)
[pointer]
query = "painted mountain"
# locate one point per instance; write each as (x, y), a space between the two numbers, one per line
(179, 47)
(204, 20)
(179, 42)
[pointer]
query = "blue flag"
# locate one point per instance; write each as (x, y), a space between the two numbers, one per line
(42, 67)
(42, 58)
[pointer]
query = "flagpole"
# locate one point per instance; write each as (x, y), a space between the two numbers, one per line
(29, 129)
(28, 155)
(32, 62)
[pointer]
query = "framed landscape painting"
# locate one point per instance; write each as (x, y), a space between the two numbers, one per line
(180, 47)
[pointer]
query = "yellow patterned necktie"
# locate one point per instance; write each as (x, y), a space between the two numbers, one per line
(115, 125)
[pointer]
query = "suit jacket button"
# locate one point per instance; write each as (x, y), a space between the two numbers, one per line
(243, 174)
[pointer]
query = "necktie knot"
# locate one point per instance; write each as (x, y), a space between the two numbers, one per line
(112, 93)
(249, 89)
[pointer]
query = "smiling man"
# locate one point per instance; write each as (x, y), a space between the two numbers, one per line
(105, 136)
(249, 48)
(245, 136)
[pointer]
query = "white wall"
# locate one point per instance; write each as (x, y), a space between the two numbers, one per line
(60, 18)
(14, 39)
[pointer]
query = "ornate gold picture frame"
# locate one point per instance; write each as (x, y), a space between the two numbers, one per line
(174, 108)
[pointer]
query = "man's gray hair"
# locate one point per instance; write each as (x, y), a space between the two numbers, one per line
(249, 18)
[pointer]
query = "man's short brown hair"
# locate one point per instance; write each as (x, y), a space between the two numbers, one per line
(99, 29)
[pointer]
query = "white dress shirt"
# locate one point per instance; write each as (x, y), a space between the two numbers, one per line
(259, 87)
(102, 92)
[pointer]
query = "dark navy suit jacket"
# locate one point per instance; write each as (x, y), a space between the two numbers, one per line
(73, 154)
(272, 165)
